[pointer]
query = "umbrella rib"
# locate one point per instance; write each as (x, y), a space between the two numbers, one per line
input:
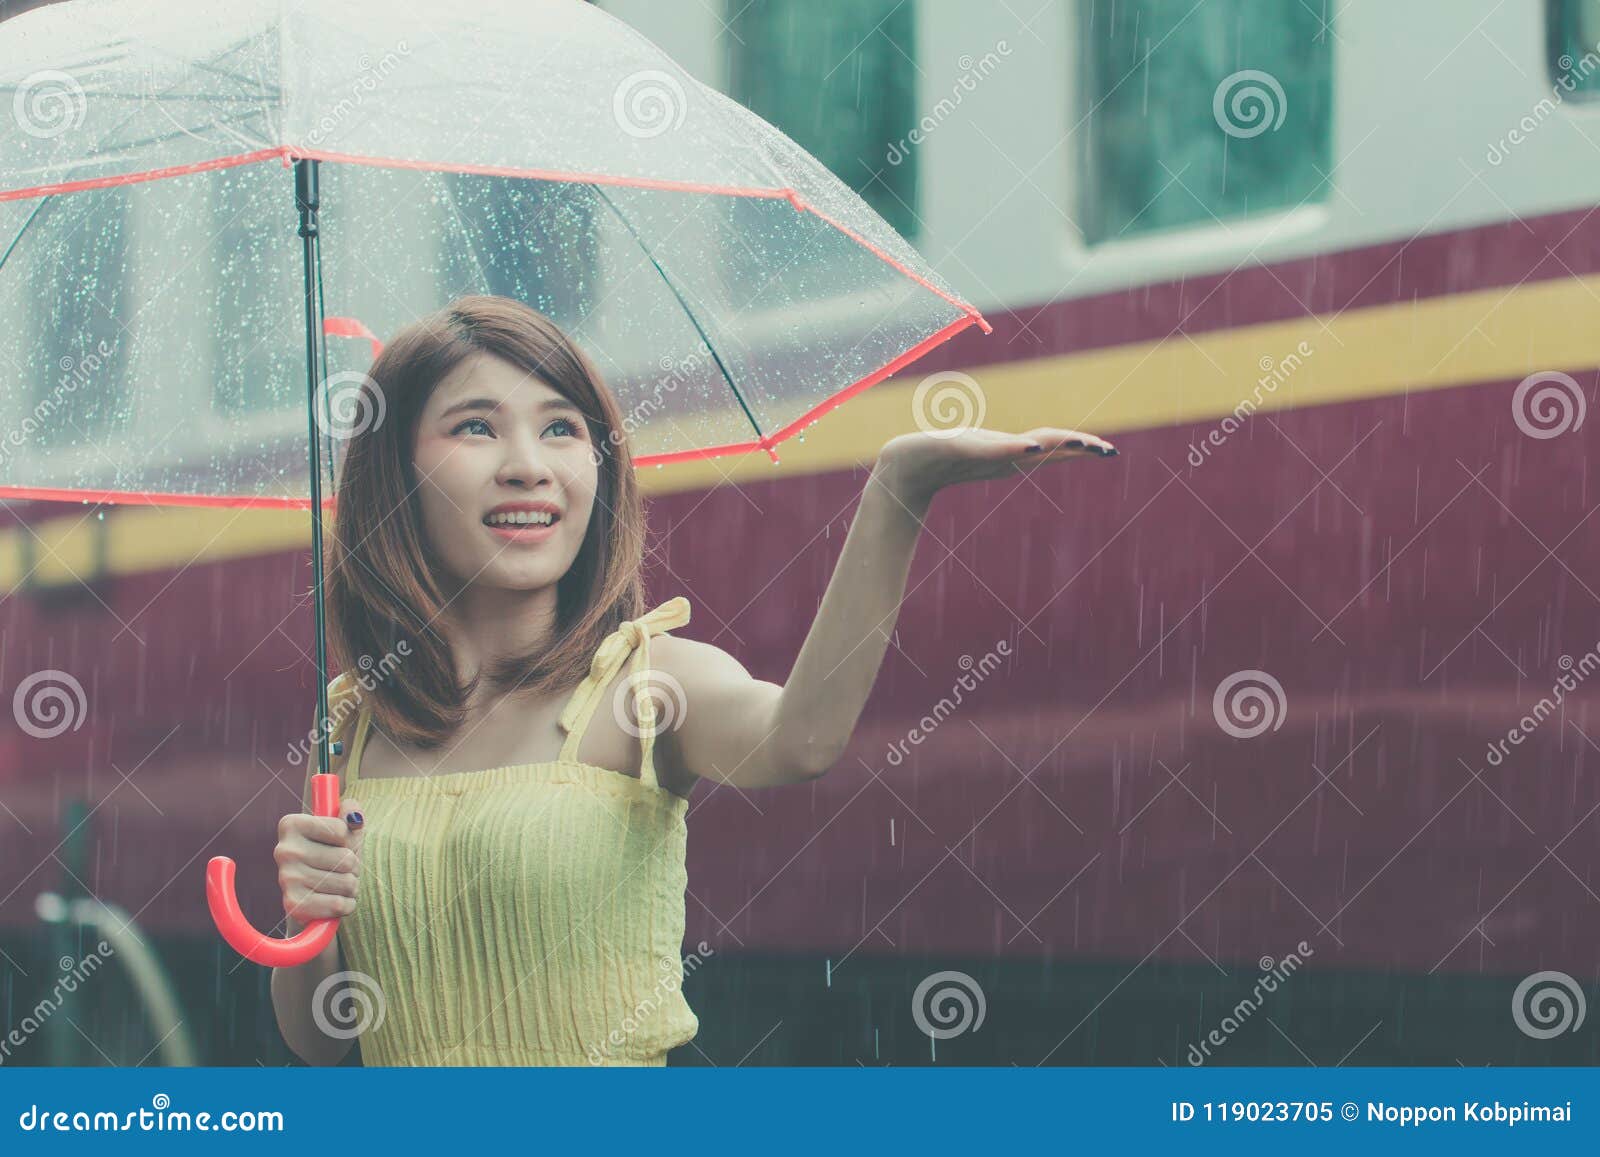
(17, 240)
(328, 439)
(689, 313)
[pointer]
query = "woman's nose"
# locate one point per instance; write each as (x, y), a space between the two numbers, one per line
(523, 464)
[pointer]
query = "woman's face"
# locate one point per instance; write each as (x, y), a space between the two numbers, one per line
(495, 441)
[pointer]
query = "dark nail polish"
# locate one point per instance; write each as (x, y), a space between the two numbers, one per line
(1109, 453)
(1075, 444)
(354, 819)
(1032, 449)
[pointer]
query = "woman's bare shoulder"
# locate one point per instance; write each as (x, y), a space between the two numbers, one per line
(695, 674)
(690, 661)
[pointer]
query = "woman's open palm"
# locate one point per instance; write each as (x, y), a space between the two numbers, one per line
(919, 465)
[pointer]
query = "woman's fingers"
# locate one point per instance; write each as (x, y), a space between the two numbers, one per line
(307, 906)
(310, 894)
(1077, 440)
(322, 858)
(1058, 443)
(319, 863)
(330, 830)
(329, 882)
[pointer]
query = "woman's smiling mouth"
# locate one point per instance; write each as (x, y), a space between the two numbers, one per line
(523, 522)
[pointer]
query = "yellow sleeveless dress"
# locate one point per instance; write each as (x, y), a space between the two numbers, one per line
(531, 914)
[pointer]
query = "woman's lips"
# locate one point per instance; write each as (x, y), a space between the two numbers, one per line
(529, 535)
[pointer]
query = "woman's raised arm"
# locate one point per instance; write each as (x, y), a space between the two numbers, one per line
(752, 733)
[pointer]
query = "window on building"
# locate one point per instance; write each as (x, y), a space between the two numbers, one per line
(1192, 114)
(531, 240)
(257, 330)
(78, 292)
(839, 77)
(1574, 39)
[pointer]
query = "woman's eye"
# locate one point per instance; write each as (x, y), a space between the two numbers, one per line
(562, 427)
(470, 421)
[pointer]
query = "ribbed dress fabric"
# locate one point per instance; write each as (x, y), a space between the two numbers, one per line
(531, 914)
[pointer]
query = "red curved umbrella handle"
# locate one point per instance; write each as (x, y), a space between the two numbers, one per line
(238, 932)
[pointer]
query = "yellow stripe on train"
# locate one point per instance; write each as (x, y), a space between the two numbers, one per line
(1489, 335)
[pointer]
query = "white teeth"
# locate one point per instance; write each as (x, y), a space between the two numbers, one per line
(521, 518)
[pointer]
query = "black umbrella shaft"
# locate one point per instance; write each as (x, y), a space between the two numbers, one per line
(305, 199)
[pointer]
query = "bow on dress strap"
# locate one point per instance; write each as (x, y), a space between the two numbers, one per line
(633, 636)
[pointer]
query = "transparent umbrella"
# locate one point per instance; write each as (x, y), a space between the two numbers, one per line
(167, 185)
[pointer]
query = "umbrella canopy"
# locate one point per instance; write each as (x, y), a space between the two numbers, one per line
(729, 287)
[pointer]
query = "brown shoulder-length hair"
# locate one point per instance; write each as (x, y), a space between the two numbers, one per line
(382, 581)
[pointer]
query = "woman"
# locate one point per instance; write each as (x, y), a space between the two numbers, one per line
(519, 738)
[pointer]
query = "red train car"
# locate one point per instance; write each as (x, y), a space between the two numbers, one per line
(1306, 673)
